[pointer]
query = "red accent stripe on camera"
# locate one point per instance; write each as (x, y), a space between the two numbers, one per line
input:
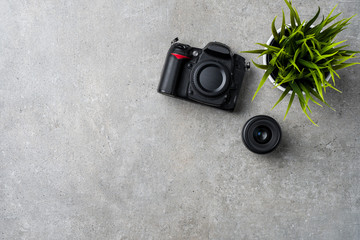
(178, 56)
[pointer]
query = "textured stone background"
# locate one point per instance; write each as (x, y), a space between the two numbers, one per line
(90, 150)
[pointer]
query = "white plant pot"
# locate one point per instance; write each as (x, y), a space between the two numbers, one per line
(271, 79)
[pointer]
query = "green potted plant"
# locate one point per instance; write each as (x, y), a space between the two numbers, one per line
(301, 58)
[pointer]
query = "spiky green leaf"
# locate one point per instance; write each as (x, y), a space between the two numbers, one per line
(290, 103)
(327, 48)
(282, 32)
(258, 51)
(274, 32)
(292, 14)
(282, 96)
(294, 64)
(309, 23)
(265, 67)
(344, 65)
(307, 92)
(303, 106)
(266, 75)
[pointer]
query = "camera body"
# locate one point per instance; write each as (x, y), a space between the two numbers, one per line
(211, 76)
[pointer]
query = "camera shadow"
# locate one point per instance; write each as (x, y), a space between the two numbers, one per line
(243, 94)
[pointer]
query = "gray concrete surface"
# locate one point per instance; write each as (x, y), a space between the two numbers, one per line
(90, 150)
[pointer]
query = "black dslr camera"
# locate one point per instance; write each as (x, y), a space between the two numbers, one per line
(211, 76)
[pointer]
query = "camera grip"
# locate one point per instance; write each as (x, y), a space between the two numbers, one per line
(171, 71)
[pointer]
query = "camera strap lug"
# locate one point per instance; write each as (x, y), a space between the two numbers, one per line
(247, 66)
(174, 40)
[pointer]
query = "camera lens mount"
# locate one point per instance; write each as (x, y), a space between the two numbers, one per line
(210, 78)
(261, 134)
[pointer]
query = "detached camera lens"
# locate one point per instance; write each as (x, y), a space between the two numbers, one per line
(261, 134)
